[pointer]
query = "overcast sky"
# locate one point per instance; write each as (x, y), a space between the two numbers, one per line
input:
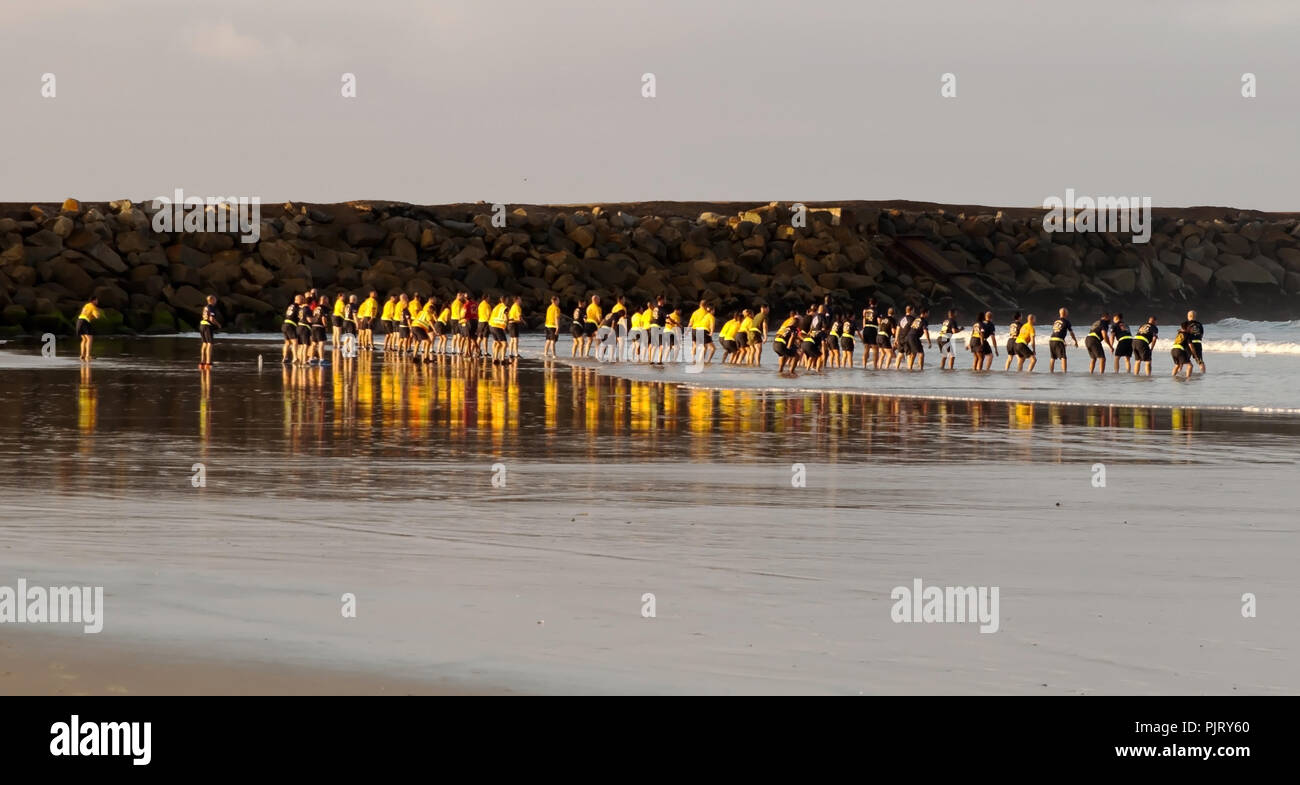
(537, 101)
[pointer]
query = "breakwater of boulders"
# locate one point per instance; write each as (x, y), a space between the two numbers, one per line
(55, 256)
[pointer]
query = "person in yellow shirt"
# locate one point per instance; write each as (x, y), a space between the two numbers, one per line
(366, 321)
(386, 316)
(484, 329)
(552, 325)
(89, 312)
(707, 322)
(742, 336)
(498, 320)
(1025, 344)
(515, 322)
(441, 327)
(672, 334)
(421, 326)
(337, 321)
(758, 334)
(457, 315)
(728, 336)
(590, 325)
(634, 332)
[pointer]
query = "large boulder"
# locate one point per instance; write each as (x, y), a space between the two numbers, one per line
(360, 235)
(1245, 272)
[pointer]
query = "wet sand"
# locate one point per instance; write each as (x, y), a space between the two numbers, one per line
(44, 664)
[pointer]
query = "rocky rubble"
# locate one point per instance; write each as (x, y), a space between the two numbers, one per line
(53, 257)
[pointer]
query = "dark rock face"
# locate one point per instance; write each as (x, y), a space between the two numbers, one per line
(1220, 261)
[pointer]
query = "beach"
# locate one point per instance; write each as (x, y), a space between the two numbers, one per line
(501, 527)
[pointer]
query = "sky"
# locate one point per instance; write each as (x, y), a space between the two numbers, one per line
(532, 101)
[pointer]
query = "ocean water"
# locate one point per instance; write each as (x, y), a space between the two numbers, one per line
(501, 525)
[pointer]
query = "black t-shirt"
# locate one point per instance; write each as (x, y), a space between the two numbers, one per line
(1120, 330)
(869, 317)
(885, 324)
(1148, 331)
(1099, 328)
(1013, 330)
(1060, 327)
(1194, 329)
(949, 327)
(987, 329)
(919, 325)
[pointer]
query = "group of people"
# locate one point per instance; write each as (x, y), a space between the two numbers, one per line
(412, 327)
(820, 337)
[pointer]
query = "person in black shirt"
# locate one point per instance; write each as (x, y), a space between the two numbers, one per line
(988, 342)
(1013, 332)
(1098, 334)
(1195, 332)
(1144, 343)
(868, 334)
(1123, 342)
(209, 320)
(920, 326)
(884, 337)
(1060, 328)
(949, 328)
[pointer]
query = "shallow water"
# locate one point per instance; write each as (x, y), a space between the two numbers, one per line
(377, 477)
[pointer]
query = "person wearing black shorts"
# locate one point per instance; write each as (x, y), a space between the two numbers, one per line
(949, 328)
(1098, 334)
(868, 333)
(209, 320)
(1195, 333)
(884, 337)
(302, 348)
(1123, 342)
(1060, 328)
(1180, 353)
(290, 330)
(1144, 343)
(988, 342)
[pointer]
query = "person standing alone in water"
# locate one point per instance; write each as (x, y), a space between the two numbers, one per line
(208, 321)
(89, 313)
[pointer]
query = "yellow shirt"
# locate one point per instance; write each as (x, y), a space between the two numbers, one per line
(746, 325)
(1026, 333)
(673, 319)
(593, 314)
(414, 308)
(647, 317)
(457, 309)
(695, 318)
(498, 316)
(387, 313)
(553, 316)
(516, 313)
(368, 307)
(708, 321)
(636, 321)
(617, 307)
(89, 312)
(338, 305)
(442, 316)
(484, 311)
(422, 318)
(729, 329)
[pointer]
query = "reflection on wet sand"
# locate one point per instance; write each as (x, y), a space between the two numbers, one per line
(347, 425)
